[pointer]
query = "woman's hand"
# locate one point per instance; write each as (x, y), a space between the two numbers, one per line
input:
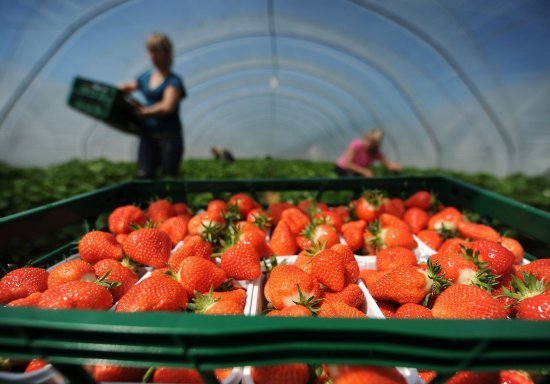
(394, 167)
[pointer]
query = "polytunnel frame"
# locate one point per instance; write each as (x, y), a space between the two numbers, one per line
(397, 20)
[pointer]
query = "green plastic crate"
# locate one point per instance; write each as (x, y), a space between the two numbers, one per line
(68, 338)
(104, 102)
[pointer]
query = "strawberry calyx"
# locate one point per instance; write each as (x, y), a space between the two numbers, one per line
(470, 216)
(232, 215)
(438, 281)
(273, 262)
(148, 224)
(447, 233)
(483, 278)
(102, 281)
(309, 302)
(202, 302)
(128, 263)
(522, 289)
(148, 376)
(212, 232)
(434, 202)
(262, 221)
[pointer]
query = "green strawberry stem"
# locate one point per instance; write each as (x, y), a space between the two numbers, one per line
(107, 283)
(5, 364)
(483, 279)
(447, 233)
(148, 376)
(439, 282)
(530, 286)
(310, 302)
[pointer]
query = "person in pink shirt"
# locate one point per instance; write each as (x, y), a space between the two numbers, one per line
(361, 154)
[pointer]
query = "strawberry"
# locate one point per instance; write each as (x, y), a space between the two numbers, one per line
(123, 219)
(118, 272)
(260, 218)
(427, 376)
(198, 274)
(285, 281)
(177, 375)
(367, 207)
(76, 294)
(160, 210)
(468, 377)
(370, 246)
(370, 276)
(331, 218)
(204, 222)
(513, 246)
(420, 199)
(276, 210)
(352, 232)
(22, 282)
(328, 267)
(392, 207)
(35, 364)
(390, 258)
(499, 258)
(193, 245)
(445, 221)
(282, 241)
(408, 284)
(114, 373)
(256, 239)
(121, 238)
(181, 209)
(391, 236)
(333, 309)
(76, 269)
(386, 220)
(416, 218)
(350, 264)
(467, 302)
(312, 206)
(455, 267)
(241, 262)
(157, 293)
(237, 295)
(475, 231)
(292, 311)
(534, 308)
(296, 220)
(540, 268)
(244, 202)
(342, 211)
(366, 374)
(388, 308)
(209, 305)
(98, 245)
(529, 296)
(413, 311)
(431, 238)
(284, 373)
(216, 206)
(175, 227)
(515, 377)
(29, 301)
(148, 246)
(320, 233)
(351, 295)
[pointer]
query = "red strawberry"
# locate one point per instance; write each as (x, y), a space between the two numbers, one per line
(35, 364)
(245, 203)
(328, 267)
(393, 236)
(342, 211)
(413, 311)
(416, 218)
(114, 373)
(333, 309)
(292, 311)
(29, 301)
(296, 219)
(388, 308)
(367, 207)
(177, 375)
(352, 232)
(157, 293)
(71, 270)
(352, 295)
(241, 262)
(534, 308)
(468, 377)
(320, 233)
(209, 305)
(370, 276)
(540, 268)
(198, 274)
(499, 258)
(257, 240)
(515, 377)
(392, 207)
(467, 302)
(121, 238)
(276, 211)
(513, 246)
(98, 245)
(475, 231)
(445, 221)
(277, 374)
(312, 206)
(175, 227)
(331, 218)
(390, 258)
(386, 220)
(260, 218)
(118, 272)
(407, 284)
(192, 246)
(181, 209)
(455, 266)
(431, 238)
(427, 376)
(76, 294)
(148, 246)
(237, 295)
(282, 241)
(281, 289)
(22, 282)
(122, 219)
(350, 264)
(420, 199)
(216, 206)
(204, 222)
(366, 374)
(160, 210)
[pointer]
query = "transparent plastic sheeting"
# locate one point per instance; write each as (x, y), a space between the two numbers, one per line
(454, 84)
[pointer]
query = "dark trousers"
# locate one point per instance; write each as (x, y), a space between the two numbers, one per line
(341, 172)
(159, 150)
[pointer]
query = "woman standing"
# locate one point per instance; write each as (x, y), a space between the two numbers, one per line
(161, 145)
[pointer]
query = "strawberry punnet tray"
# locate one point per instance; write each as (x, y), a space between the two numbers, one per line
(70, 339)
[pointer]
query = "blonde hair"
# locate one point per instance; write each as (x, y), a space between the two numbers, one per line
(375, 135)
(159, 42)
